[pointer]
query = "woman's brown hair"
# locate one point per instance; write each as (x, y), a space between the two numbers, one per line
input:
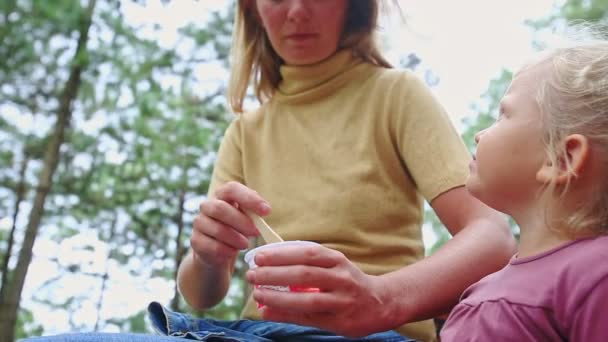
(254, 61)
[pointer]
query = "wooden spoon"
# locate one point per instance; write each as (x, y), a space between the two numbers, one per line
(268, 234)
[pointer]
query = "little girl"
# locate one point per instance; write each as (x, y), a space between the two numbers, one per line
(545, 163)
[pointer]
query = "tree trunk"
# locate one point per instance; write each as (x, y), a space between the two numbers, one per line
(19, 196)
(179, 249)
(9, 303)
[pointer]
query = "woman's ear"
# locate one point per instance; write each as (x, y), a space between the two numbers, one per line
(570, 164)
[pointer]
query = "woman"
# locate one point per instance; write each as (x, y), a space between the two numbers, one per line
(345, 149)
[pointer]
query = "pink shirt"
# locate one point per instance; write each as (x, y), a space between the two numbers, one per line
(559, 295)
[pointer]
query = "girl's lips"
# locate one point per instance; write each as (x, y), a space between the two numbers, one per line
(301, 36)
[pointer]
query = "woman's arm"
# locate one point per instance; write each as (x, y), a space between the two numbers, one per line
(482, 243)
(193, 279)
(219, 232)
(352, 303)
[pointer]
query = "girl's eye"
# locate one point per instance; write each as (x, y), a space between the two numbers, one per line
(498, 118)
(501, 111)
(501, 115)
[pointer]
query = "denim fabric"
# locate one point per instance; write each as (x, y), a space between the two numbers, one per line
(176, 327)
(177, 324)
(101, 337)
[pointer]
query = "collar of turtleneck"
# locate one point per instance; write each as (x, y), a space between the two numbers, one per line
(310, 82)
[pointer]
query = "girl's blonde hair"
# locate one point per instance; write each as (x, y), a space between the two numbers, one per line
(574, 100)
(255, 61)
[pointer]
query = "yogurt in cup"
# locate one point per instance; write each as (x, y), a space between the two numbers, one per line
(250, 260)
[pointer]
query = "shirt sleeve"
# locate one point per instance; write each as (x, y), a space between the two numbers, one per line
(430, 146)
(590, 322)
(228, 163)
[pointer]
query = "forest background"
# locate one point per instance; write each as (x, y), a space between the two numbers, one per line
(109, 123)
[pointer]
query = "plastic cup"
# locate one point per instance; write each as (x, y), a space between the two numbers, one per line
(250, 260)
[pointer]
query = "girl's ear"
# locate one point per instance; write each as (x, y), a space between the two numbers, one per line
(571, 163)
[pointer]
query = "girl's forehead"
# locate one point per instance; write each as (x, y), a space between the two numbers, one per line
(540, 65)
(533, 72)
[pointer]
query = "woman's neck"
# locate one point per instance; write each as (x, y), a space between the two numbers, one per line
(312, 82)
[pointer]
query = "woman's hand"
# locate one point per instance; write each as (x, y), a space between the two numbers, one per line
(221, 229)
(349, 302)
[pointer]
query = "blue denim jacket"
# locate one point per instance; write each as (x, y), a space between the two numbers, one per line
(176, 324)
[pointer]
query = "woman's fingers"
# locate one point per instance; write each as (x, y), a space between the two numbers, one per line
(221, 229)
(349, 302)
(208, 228)
(234, 192)
(325, 279)
(228, 216)
(212, 251)
(311, 255)
(301, 302)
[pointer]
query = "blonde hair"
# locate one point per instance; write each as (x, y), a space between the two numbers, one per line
(255, 61)
(573, 99)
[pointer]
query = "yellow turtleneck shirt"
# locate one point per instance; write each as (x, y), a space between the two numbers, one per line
(345, 152)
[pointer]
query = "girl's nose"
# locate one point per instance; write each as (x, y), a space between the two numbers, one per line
(299, 10)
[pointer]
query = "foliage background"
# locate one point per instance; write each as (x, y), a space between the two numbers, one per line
(107, 141)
